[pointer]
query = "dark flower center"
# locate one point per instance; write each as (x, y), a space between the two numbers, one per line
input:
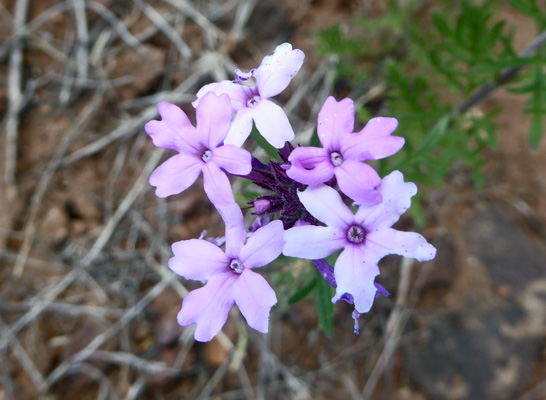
(253, 101)
(356, 234)
(236, 266)
(207, 155)
(336, 158)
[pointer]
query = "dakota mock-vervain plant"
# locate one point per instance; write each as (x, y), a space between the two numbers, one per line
(305, 210)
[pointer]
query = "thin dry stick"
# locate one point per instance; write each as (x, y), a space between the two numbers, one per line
(138, 187)
(166, 28)
(15, 97)
(83, 39)
(212, 31)
(395, 326)
(137, 363)
(49, 295)
(133, 125)
(118, 26)
(99, 340)
(26, 362)
(36, 200)
(241, 18)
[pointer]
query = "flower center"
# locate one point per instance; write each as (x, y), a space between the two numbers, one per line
(253, 101)
(336, 158)
(356, 234)
(236, 266)
(207, 155)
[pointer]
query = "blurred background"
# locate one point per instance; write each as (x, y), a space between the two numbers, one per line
(87, 304)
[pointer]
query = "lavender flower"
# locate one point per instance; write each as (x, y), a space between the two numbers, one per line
(250, 103)
(365, 237)
(230, 278)
(343, 152)
(327, 273)
(200, 149)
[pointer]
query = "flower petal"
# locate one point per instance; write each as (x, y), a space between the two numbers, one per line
(335, 119)
(198, 260)
(277, 70)
(208, 307)
(396, 199)
(233, 159)
(325, 204)
(407, 244)
(264, 246)
(310, 165)
(238, 94)
(174, 131)
(272, 123)
(175, 175)
(374, 141)
(213, 116)
(355, 271)
(254, 297)
(313, 242)
(235, 228)
(217, 185)
(358, 181)
(240, 128)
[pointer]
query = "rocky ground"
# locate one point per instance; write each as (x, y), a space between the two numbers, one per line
(87, 305)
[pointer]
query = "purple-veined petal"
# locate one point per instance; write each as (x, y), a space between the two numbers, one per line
(355, 271)
(374, 141)
(240, 128)
(233, 159)
(238, 94)
(217, 185)
(272, 123)
(334, 120)
(313, 242)
(254, 297)
(208, 307)
(174, 131)
(213, 116)
(396, 199)
(358, 181)
(264, 246)
(325, 204)
(198, 260)
(277, 70)
(310, 165)
(407, 244)
(326, 271)
(175, 175)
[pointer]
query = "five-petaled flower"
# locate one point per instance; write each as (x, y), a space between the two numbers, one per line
(343, 152)
(251, 103)
(230, 278)
(365, 237)
(200, 149)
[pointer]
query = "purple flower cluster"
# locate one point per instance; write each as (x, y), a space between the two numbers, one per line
(305, 211)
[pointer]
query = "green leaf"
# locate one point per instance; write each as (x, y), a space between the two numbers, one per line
(304, 291)
(536, 130)
(441, 24)
(264, 144)
(314, 141)
(325, 307)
